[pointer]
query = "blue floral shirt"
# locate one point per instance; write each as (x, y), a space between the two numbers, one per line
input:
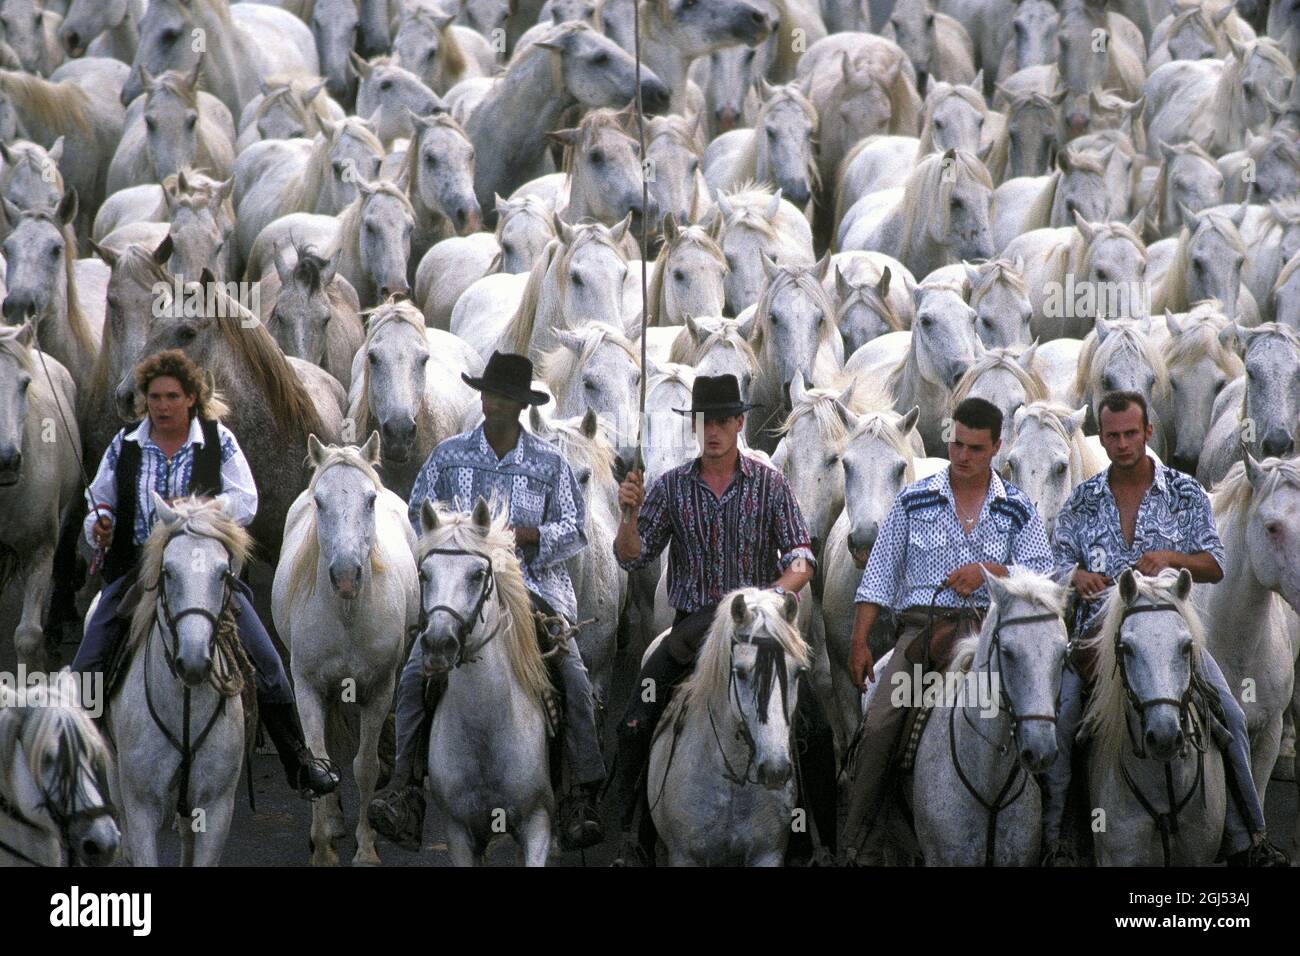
(542, 492)
(1174, 515)
(922, 541)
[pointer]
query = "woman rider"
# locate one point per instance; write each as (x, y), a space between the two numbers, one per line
(177, 449)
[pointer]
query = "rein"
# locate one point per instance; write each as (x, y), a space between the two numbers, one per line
(465, 624)
(1166, 822)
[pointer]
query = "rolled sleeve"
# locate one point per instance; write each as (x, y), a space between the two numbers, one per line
(883, 574)
(653, 527)
(792, 539)
(238, 490)
(101, 496)
(562, 532)
(1031, 548)
(1066, 551)
(423, 489)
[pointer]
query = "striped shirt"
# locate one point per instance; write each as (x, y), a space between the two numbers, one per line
(747, 538)
(543, 494)
(170, 477)
(922, 542)
(1174, 515)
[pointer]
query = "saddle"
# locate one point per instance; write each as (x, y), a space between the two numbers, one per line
(933, 650)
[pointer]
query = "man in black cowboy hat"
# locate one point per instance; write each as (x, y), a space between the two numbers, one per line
(547, 512)
(732, 522)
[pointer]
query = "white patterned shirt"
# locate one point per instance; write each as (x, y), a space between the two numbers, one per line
(1175, 515)
(543, 494)
(922, 541)
(170, 477)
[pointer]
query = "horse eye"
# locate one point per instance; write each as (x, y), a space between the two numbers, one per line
(150, 124)
(190, 121)
(170, 36)
(431, 161)
(373, 358)
(386, 85)
(422, 361)
(1218, 387)
(600, 59)
(596, 157)
(1060, 467)
(679, 276)
(575, 278)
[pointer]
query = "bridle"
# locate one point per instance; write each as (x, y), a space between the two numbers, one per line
(59, 806)
(1166, 821)
(770, 663)
(465, 624)
(169, 624)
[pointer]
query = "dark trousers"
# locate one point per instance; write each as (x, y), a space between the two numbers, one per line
(664, 669)
(105, 630)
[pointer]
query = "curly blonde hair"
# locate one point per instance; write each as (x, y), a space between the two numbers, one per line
(173, 363)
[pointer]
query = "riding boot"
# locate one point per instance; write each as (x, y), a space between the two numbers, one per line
(397, 813)
(639, 835)
(309, 775)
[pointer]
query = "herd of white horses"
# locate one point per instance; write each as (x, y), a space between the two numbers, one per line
(866, 211)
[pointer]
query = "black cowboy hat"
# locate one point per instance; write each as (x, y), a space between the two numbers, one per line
(715, 396)
(511, 375)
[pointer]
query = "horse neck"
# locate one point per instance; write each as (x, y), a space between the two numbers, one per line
(526, 96)
(667, 62)
(224, 76)
(579, 207)
(484, 694)
(1239, 602)
(43, 846)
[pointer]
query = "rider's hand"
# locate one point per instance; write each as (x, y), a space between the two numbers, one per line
(103, 531)
(1153, 562)
(526, 537)
(966, 579)
(631, 493)
(1088, 583)
(860, 662)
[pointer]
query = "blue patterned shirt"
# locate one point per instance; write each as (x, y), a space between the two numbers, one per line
(170, 477)
(922, 541)
(1175, 515)
(542, 492)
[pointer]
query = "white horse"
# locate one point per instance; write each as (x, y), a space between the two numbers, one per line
(1199, 367)
(596, 368)
(1006, 378)
(177, 720)
(757, 221)
(54, 778)
(1047, 456)
(488, 761)
(344, 597)
(688, 275)
(1121, 355)
(1245, 614)
(975, 797)
(1149, 756)
(721, 780)
(38, 478)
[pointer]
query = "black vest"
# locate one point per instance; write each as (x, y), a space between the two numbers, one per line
(205, 479)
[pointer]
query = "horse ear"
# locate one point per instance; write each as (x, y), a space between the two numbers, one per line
(745, 322)
(589, 424)
(693, 329)
(315, 450)
(108, 255)
(1138, 223)
(908, 421)
(670, 228)
(309, 95)
(428, 517)
(164, 250)
(562, 229)
(370, 450)
(146, 78)
(1127, 586)
(773, 207)
(618, 232)
(882, 287)
(1254, 473)
(769, 265)
(1238, 215)
(55, 152)
(534, 419)
(789, 607)
(1063, 160)
(1239, 50)
(329, 269)
(1084, 227)
(166, 514)
(1176, 328)
(482, 516)
(1073, 422)
(738, 609)
(572, 340)
(360, 66)
(565, 137)
(1183, 586)
(1026, 358)
(842, 287)
(823, 266)
(192, 77)
(12, 212)
(1230, 337)
(724, 209)
(67, 210)
(1102, 327)
(994, 585)
(27, 333)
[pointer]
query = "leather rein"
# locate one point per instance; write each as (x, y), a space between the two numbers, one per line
(465, 624)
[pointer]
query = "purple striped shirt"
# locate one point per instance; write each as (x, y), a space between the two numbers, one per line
(746, 538)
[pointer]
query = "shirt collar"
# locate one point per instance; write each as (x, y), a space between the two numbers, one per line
(487, 449)
(143, 433)
(1159, 478)
(745, 463)
(996, 489)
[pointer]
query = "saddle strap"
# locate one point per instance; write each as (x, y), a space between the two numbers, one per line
(996, 806)
(1167, 823)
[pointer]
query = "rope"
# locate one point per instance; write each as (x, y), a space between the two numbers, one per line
(638, 464)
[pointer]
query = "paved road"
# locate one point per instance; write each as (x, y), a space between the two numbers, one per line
(276, 834)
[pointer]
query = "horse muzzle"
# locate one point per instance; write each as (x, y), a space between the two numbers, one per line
(97, 844)
(11, 467)
(774, 773)
(346, 580)
(1162, 734)
(1037, 741)
(439, 653)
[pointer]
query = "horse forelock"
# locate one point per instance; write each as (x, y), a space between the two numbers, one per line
(496, 544)
(175, 83)
(20, 353)
(1201, 341)
(1020, 584)
(1234, 499)
(51, 722)
(928, 194)
(1000, 359)
(803, 278)
(561, 365)
(395, 312)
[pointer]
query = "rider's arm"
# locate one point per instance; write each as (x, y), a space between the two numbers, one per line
(653, 529)
(562, 532)
(103, 490)
(238, 492)
(425, 486)
(1203, 565)
(1203, 551)
(1030, 548)
(792, 541)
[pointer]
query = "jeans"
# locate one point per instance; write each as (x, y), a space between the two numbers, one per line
(105, 629)
(581, 742)
(1237, 827)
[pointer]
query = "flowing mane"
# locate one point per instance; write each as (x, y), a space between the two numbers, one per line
(595, 124)
(457, 530)
(712, 675)
(302, 570)
(1000, 359)
(53, 108)
(821, 405)
(559, 367)
(291, 91)
(393, 312)
(999, 271)
(748, 204)
(197, 518)
(1104, 718)
(1023, 584)
(927, 199)
(317, 172)
(719, 333)
(688, 235)
(869, 295)
(1201, 341)
(1234, 498)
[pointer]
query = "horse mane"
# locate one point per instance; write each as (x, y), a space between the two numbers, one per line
(452, 58)
(991, 273)
(1052, 415)
(304, 564)
(686, 351)
(927, 197)
(290, 405)
(393, 312)
(1021, 583)
(671, 373)
(1079, 252)
(804, 277)
(1198, 17)
(938, 93)
(1126, 334)
(456, 529)
(177, 84)
(54, 108)
(561, 365)
(1003, 359)
(591, 126)
(1285, 273)
(197, 518)
(526, 205)
(292, 90)
(748, 208)
(1172, 292)
(871, 297)
(688, 235)
(20, 353)
(1234, 499)
(594, 451)
(712, 674)
(675, 127)
(1104, 717)
(317, 169)
(76, 318)
(1201, 341)
(1229, 102)
(25, 153)
(1160, 188)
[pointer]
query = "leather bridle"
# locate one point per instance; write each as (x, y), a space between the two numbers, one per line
(1141, 706)
(769, 664)
(465, 623)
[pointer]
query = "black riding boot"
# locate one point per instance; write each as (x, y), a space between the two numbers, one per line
(309, 775)
(817, 775)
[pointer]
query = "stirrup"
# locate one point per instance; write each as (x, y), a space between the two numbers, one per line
(307, 761)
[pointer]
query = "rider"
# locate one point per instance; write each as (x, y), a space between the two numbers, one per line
(1146, 516)
(179, 448)
(927, 560)
(733, 522)
(547, 511)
